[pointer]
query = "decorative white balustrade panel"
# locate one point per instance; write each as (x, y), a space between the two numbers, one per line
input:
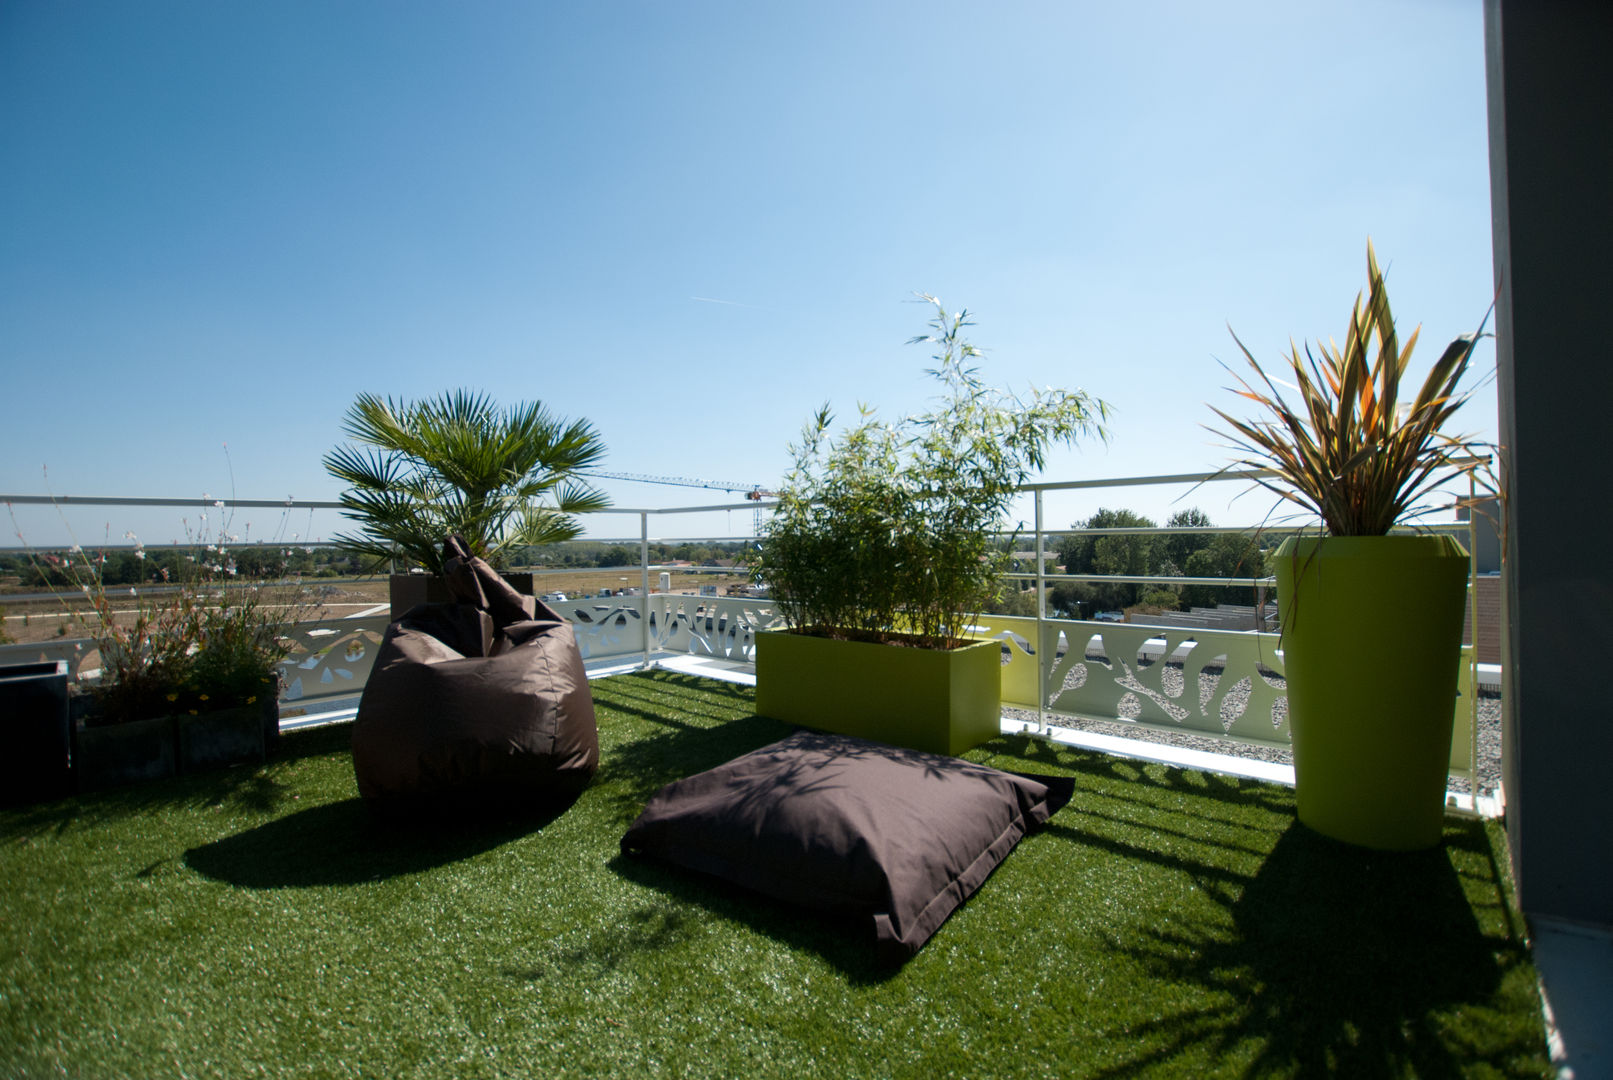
(1110, 671)
(606, 627)
(722, 627)
(330, 658)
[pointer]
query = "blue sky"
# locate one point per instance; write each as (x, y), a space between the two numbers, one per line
(693, 222)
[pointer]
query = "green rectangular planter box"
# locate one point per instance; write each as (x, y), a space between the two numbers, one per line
(943, 702)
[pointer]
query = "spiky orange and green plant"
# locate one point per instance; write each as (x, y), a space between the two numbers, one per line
(1351, 453)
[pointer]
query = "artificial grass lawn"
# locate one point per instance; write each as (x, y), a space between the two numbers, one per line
(254, 923)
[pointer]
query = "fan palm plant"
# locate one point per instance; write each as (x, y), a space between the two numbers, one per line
(1351, 452)
(457, 463)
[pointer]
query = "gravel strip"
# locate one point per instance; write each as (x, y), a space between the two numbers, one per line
(1489, 724)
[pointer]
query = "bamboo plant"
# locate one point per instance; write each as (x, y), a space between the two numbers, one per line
(889, 529)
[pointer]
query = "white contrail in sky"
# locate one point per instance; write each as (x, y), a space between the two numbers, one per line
(734, 303)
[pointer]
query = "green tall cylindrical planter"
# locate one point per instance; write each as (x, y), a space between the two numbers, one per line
(1372, 636)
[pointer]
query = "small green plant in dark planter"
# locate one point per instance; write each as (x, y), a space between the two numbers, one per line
(231, 707)
(883, 549)
(123, 732)
(123, 725)
(187, 673)
(1372, 623)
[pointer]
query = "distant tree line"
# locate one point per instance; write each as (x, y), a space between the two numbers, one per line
(1213, 555)
(126, 566)
(586, 553)
(155, 565)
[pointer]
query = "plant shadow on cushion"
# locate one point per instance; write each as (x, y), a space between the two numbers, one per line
(897, 837)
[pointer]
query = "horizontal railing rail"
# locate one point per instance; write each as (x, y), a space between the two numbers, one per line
(1145, 579)
(201, 503)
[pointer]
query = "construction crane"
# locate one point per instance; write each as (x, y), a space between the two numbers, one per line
(753, 492)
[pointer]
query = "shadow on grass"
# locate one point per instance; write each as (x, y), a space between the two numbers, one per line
(343, 843)
(1143, 781)
(637, 769)
(845, 942)
(630, 936)
(738, 695)
(672, 699)
(252, 787)
(1319, 958)
(1342, 962)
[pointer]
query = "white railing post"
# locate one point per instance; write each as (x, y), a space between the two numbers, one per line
(644, 580)
(1472, 771)
(1041, 622)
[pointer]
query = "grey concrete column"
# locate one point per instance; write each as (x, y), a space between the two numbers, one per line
(1550, 94)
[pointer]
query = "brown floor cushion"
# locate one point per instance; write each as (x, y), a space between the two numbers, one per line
(479, 702)
(843, 824)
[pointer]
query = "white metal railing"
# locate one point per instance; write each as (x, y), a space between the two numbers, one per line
(1218, 684)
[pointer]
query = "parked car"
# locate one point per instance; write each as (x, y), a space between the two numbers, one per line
(1110, 616)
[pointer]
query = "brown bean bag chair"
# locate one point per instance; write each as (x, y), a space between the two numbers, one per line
(477, 702)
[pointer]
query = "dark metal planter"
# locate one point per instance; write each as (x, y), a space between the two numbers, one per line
(111, 755)
(35, 740)
(220, 738)
(269, 705)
